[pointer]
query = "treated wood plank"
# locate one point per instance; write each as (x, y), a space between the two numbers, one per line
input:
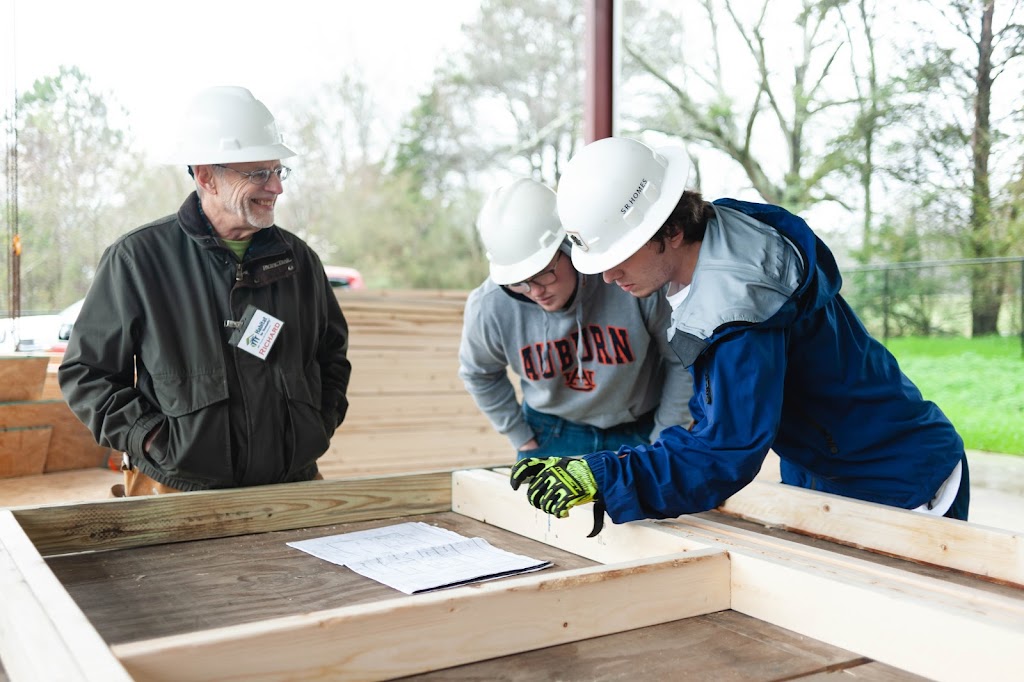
(986, 552)
(535, 611)
(43, 633)
(22, 377)
(23, 450)
(140, 521)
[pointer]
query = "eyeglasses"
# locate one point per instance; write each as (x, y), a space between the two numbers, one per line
(541, 279)
(262, 176)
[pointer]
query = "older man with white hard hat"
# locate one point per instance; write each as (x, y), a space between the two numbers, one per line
(210, 348)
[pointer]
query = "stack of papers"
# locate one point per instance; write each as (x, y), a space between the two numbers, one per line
(417, 557)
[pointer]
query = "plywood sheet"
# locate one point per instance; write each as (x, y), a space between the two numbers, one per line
(71, 444)
(23, 450)
(22, 377)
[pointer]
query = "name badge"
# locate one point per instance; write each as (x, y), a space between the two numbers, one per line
(256, 332)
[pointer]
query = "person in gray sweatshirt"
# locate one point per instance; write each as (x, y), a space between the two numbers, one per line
(594, 365)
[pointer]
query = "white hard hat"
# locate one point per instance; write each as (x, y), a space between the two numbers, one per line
(519, 228)
(226, 124)
(614, 195)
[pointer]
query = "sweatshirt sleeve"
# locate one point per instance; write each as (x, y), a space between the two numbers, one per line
(483, 368)
(740, 381)
(677, 387)
(97, 373)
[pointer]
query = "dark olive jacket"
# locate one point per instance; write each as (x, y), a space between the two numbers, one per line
(150, 350)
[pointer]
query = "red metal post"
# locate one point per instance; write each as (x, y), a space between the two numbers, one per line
(599, 99)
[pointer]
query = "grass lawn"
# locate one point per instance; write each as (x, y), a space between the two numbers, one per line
(978, 383)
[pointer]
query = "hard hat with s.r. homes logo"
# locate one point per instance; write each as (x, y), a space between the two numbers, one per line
(227, 124)
(614, 195)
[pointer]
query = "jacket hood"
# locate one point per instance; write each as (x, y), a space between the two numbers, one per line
(822, 280)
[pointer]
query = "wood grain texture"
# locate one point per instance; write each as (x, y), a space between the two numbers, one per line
(22, 377)
(43, 634)
(179, 588)
(136, 522)
(71, 444)
(979, 550)
(717, 647)
(388, 639)
(23, 450)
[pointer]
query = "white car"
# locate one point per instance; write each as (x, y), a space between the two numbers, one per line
(38, 333)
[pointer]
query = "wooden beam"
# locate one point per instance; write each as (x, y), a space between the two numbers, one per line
(487, 496)
(136, 522)
(43, 633)
(920, 624)
(980, 550)
(438, 630)
(775, 573)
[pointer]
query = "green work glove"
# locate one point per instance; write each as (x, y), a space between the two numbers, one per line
(557, 484)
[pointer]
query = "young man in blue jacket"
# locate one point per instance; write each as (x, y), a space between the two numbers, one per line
(778, 358)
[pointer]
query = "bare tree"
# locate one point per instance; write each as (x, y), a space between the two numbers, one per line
(785, 90)
(960, 67)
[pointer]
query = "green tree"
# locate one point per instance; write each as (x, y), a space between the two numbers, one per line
(953, 85)
(70, 155)
(513, 96)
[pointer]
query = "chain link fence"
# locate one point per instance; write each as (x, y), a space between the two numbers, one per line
(939, 298)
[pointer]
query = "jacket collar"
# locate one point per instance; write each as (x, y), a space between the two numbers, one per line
(194, 223)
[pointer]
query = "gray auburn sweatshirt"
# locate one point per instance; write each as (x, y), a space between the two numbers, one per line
(627, 367)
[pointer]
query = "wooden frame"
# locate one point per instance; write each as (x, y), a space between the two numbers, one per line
(651, 572)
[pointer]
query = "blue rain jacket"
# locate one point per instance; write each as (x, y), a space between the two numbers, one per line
(779, 360)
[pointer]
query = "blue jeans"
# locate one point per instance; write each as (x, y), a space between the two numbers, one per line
(560, 438)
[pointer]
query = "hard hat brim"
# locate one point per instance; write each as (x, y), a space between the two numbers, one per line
(273, 152)
(524, 269)
(677, 174)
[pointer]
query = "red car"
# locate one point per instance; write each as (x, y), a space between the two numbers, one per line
(341, 277)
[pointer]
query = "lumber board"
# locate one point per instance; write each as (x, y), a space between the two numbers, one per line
(780, 579)
(836, 599)
(140, 521)
(488, 497)
(43, 633)
(917, 623)
(71, 444)
(22, 377)
(414, 410)
(535, 611)
(23, 450)
(718, 646)
(51, 387)
(379, 371)
(986, 552)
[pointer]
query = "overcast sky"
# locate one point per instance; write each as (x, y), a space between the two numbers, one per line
(152, 55)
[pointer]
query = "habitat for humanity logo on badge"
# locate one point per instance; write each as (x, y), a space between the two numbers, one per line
(260, 334)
